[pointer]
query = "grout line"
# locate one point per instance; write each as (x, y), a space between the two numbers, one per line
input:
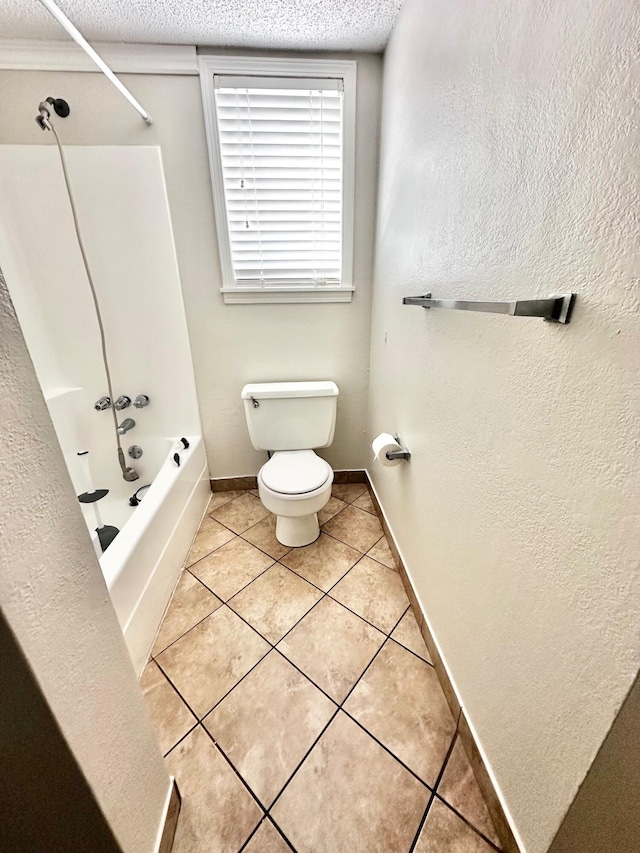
(281, 833)
(180, 695)
(307, 677)
(466, 820)
(324, 591)
(304, 758)
(433, 792)
(223, 600)
(255, 831)
(415, 654)
(186, 735)
(423, 820)
(238, 774)
(224, 503)
(341, 708)
(213, 550)
(199, 622)
(364, 553)
(338, 707)
(386, 749)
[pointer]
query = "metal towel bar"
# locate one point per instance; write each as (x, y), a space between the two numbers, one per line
(555, 309)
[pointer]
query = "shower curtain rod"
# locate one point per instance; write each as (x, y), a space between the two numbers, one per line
(77, 36)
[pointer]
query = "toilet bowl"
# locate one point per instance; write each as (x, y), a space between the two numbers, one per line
(295, 485)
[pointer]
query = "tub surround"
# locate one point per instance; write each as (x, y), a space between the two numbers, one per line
(121, 198)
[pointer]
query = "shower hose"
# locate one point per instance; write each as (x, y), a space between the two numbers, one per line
(128, 473)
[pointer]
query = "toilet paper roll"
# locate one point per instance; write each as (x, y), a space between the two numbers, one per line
(381, 445)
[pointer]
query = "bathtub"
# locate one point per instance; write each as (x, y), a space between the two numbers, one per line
(142, 564)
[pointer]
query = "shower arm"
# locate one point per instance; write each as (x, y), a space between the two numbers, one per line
(79, 39)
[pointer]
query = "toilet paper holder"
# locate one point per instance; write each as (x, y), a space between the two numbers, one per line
(403, 453)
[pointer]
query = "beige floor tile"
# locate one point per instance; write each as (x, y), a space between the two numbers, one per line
(211, 535)
(350, 795)
(170, 716)
(332, 646)
(382, 553)
(218, 499)
(355, 527)
(348, 492)
(212, 658)
(323, 562)
(331, 508)
(459, 788)
(364, 502)
(275, 601)
(400, 701)
(231, 567)
(263, 536)
(267, 839)
(408, 635)
(373, 592)
(241, 513)
(190, 603)
(267, 724)
(444, 832)
(218, 813)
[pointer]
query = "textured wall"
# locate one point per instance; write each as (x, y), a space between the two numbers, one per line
(39, 774)
(54, 599)
(231, 344)
(509, 169)
(604, 816)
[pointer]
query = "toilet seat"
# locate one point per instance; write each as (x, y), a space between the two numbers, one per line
(295, 472)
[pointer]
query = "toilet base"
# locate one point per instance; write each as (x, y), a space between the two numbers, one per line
(297, 531)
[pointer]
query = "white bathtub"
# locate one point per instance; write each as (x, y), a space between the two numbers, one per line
(143, 562)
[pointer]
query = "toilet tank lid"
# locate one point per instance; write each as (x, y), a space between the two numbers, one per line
(279, 390)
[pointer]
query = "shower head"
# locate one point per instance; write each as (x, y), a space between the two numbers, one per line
(60, 107)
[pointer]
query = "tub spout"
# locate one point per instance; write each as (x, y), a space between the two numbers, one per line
(126, 425)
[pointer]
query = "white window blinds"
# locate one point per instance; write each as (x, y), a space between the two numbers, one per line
(281, 147)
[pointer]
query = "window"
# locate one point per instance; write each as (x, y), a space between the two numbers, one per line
(281, 136)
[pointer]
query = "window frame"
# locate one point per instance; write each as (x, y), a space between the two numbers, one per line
(211, 65)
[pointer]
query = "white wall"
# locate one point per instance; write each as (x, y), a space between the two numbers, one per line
(231, 344)
(125, 224)
(508, 170)
(55, 602)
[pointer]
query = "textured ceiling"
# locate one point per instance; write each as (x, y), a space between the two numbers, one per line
(362, 25)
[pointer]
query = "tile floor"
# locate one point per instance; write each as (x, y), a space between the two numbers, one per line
(294, 698)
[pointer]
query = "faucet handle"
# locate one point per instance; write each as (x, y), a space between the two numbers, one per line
(122, 402)
(102, 404)
(141, 401)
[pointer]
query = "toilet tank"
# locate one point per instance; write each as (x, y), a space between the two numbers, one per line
(290, 415)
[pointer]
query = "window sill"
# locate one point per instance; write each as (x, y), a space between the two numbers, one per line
(254, 295)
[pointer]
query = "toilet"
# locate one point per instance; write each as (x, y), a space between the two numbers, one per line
(290, 419)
